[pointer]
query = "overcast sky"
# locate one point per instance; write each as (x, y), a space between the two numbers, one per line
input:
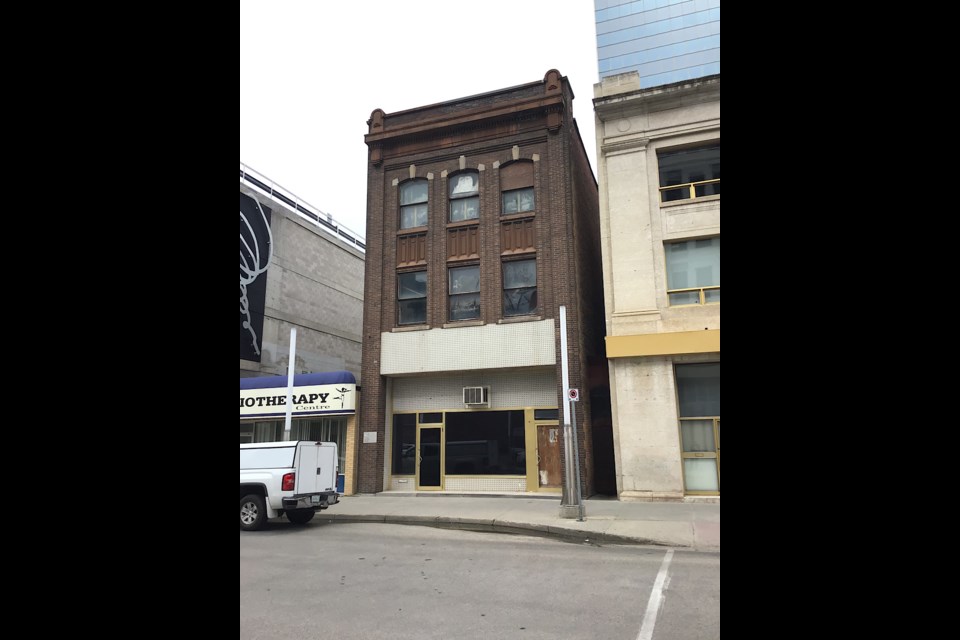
(312, 72)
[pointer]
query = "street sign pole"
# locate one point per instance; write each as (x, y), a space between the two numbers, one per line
(571, 506)
(576, 456)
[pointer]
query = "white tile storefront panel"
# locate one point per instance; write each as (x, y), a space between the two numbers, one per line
(493, 346)
(537, 388)
(492, 485)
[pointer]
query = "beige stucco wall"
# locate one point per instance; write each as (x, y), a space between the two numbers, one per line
(646, 437)
(632, 124)
(634, 226)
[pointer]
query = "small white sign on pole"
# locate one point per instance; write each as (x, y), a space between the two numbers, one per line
(575, 395)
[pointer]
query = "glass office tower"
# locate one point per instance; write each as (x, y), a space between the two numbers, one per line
(664, 40)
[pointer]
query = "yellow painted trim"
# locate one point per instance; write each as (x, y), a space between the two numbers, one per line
(664, 344)
(476, 477)
(530, 435)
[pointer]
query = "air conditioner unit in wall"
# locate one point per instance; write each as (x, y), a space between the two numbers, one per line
(476, 396)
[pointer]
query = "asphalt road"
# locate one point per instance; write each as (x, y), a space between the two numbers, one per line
(372, 581)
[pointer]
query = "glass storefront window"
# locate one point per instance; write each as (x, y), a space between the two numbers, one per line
(324, 430)
(701, 475)
(698, 389)
(486, 443)
(316, 429)
(268, 432)
(405, 444)
(698, 386)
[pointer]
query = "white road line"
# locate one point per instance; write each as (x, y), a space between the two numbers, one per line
(656, 600)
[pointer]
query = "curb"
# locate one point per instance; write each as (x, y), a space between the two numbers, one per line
(499, 526)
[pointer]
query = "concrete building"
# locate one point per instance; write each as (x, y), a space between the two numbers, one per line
(298, 268)
(665, 41)
(482, 221)
(658, 155)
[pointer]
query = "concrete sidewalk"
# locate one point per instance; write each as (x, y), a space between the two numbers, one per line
(693, 525)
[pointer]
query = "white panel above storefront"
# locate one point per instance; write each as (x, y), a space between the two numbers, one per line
(493, 346)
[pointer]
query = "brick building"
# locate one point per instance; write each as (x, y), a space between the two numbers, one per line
(482, 220)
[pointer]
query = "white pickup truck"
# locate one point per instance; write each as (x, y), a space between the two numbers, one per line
(293, 478)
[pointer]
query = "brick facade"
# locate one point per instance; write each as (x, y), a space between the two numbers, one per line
(487, 134)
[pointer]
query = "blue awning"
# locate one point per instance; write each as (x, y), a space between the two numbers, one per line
(300, 380)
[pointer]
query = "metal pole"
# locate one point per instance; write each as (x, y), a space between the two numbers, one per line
(290, 367)
(571, 496)
(576, 464)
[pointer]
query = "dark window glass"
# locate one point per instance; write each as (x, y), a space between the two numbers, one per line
(412, 311)
(546, 414)
(486, 443)
(465, 293)
(518, 201)
(430, 457)
(686, 166)
(519, 288)
(431, 418)
(412, 297)
(413, 204)
(404, 445)
(698, 386)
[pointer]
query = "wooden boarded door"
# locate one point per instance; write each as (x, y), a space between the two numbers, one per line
(549, 463)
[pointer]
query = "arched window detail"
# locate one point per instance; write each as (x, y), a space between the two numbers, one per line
(516, 186)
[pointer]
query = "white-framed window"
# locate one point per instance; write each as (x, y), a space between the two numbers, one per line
(465, 196)
(693, 271)
(413, 204)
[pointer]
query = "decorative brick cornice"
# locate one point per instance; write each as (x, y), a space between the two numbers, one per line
(472, 119)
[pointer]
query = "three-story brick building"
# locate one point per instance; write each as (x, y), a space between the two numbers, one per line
(482, 220)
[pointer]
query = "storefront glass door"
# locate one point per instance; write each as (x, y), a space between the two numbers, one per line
(429, 458)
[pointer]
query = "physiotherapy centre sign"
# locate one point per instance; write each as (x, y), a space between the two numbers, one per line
(322, 399)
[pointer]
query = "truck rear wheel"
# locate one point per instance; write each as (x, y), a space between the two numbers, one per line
(300, 516)
(253, 513)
